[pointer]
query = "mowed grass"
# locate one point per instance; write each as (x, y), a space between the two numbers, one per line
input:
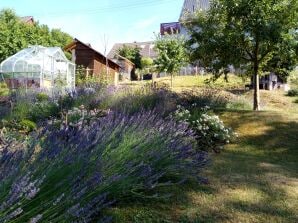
(188, 82)
(253, 180)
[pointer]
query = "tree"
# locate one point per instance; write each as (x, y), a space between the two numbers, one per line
(16, 35)
(171, 53)
(256, 36)
(131, 53)
(146, 63)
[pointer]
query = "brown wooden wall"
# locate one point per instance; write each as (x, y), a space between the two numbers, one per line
(84, 56)
(93, 61)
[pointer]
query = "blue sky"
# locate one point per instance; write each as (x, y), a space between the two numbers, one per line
(91, 20)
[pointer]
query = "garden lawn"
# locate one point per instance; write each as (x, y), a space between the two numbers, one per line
(253, 180)
(186, 82)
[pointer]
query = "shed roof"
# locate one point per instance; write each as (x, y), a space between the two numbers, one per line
(146, 49)
(117, 56)
(72, 45)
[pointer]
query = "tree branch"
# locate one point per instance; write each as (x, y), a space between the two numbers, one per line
(263, 57)
(249, 54)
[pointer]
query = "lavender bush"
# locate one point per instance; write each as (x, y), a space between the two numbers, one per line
(73, 173)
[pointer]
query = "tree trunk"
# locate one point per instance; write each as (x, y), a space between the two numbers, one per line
(256, 102)
(256, 61)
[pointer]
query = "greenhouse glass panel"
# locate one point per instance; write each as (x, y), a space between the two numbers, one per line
(39, 67)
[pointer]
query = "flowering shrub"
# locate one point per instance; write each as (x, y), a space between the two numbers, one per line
(73, 174)
(210, 130)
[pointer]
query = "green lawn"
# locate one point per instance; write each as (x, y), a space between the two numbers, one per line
(187, 82)
(252, 180)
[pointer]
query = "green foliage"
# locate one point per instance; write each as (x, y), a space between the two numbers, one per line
(39, 111)
(239, 32)
(239, 104)
(28, 125)
(80, 74)
(255, 36)
(82, 79)
(171, 53)
(131, 101)
(147, 68)
(19, 126)
(131, 53)
(4, 91)
(146, 62)
(42, 111)
(16, 35)
(292, 93)
(211, 134)
(66, 102)
(42, 97)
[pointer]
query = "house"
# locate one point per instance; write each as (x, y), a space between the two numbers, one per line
(170, 28)
(146, 49)
(95, 63)
(28, 20)
(190, 7)
(127, 67)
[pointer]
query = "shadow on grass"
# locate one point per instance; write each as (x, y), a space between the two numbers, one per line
(253, 180)
(238, 91)
(263, 164)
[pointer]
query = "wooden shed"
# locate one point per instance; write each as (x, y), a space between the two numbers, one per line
(127, 67)
(95, 63)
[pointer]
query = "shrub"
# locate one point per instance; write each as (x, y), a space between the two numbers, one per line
(212, 98)
(21, 110)
(66, 102)
(28, 125)
(42, 97)
(146, 98)
(41, 111)
(4, 91)
(78, 172)
(23, 126)
(211, 134)
(292, 93)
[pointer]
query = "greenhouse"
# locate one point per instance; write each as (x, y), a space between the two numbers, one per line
(38, 67)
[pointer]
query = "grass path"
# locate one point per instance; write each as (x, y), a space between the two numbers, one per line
(253, 180)
(256, 179)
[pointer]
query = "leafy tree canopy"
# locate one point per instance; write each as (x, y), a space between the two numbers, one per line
(146, 62)
(171, 53)
(254, 35)
(16, 35)
(131, 53)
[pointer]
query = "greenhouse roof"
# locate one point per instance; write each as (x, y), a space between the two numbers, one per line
(32, 56)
